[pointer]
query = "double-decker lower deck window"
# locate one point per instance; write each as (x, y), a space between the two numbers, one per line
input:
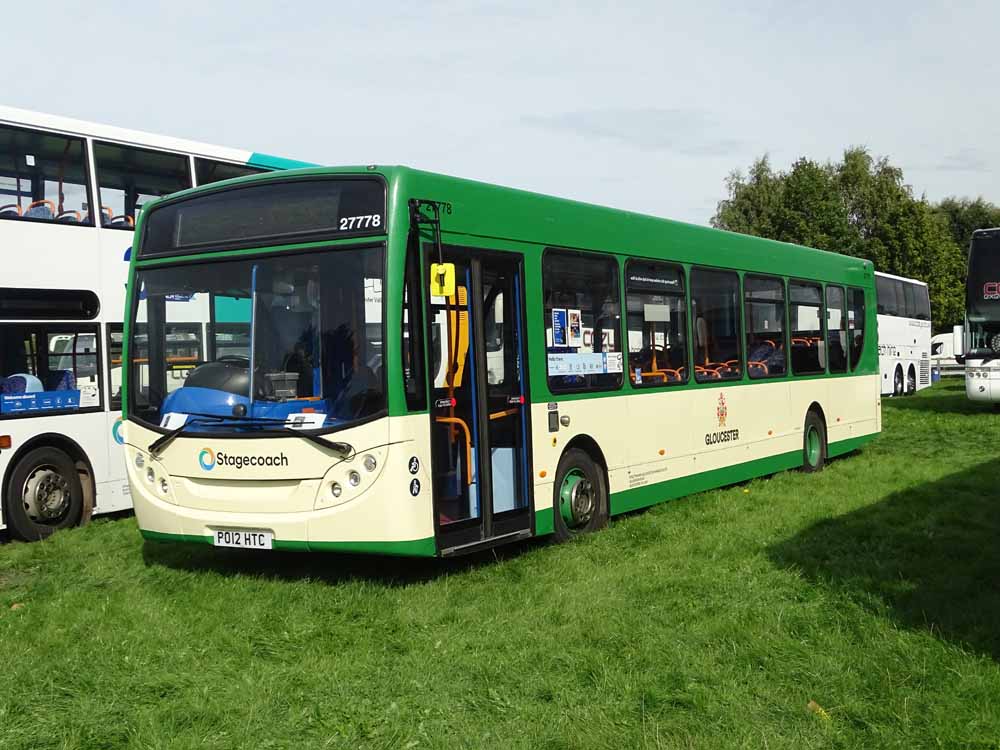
(765, 324)
(657, 324)
(715, 309)
(43, 177)
(582, 321)
(806, 313)
(836, 329)
(48, 368)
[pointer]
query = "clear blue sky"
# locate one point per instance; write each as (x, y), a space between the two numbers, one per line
(646, 106)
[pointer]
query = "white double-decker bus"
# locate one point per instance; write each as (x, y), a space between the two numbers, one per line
(70, 192)
(904, 334)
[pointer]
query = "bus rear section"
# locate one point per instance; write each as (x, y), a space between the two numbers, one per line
(904, 334)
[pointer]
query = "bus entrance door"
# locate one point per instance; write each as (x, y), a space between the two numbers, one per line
(479, 409)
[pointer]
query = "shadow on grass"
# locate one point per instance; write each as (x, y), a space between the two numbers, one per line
(931, 554)
(329, 567)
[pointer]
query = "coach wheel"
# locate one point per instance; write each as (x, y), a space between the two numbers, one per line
(44, 494)
(581, 495)
(911, 381)
(897, 382)
(813, 443)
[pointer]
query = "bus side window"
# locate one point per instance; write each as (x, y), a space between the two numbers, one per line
(127, 177)
(808, 348)
(43, 177)
(765, 326)
(836, 328)
(856, 324)
(208, 170)
(656, 309)
(115, 338)
(715, 312)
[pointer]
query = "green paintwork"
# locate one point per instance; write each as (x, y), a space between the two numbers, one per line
(414, 548)
(573, 477)
(813, 446)
(544, 519)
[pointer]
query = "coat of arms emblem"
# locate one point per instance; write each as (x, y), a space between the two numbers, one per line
(721, 411)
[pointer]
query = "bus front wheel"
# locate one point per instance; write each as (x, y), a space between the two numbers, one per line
(813, 443)
(44, 494)
(580, 504)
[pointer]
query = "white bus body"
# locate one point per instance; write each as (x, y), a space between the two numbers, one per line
(904, 334)
(69, 194)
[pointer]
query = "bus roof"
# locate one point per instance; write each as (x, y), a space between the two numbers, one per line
(485, 210)
(27, 118)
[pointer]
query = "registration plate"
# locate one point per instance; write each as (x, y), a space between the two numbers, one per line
(243, 538)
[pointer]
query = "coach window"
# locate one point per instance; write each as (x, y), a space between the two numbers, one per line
(115, 338)
(129, 177)
(856, 324)
(890, 296)
(922, 302)
(808, 349)
(47, 368)
(765, 324)
(657, 324)
(43, 177)
(836, 328)
(582, 321)
(715, 310)
(207, 171)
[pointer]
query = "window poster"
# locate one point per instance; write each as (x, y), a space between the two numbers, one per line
(575, 328)
(559, 326)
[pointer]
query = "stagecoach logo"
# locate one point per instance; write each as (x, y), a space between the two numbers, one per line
(116, 432)
(722, 436)
(209, 459)
(991, 290)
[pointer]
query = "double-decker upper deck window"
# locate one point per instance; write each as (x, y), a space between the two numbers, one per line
(269, 212)
(808, 349)
(765, 326)
(582, 321)
(43, 177)
(715, 309)
(128, 177)
(856, 324)
(657, 324)
(207, 171)
(21, 303)
(836, 328)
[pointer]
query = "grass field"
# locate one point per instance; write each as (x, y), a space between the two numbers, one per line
(872, 589)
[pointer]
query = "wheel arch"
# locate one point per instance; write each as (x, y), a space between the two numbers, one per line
(72, 449)
(815, 407)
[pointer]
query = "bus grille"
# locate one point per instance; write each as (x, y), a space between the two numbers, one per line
(925, 369)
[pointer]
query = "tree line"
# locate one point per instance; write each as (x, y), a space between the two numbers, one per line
(860, 206)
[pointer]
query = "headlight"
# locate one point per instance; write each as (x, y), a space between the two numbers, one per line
(164, 487)
(354, 478)
(139, 461)
(336, 489)
(369, 462)
(150, 476)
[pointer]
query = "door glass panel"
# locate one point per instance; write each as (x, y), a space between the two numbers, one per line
(453, 430)
(504, 402)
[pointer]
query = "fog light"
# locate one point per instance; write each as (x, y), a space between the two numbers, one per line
(336, 489)
(164, 487)
(139, 461)
(150, 476)
(369, 462)
(354, 478)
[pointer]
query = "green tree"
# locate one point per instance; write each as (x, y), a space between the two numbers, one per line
(859, 206)
(965, 215)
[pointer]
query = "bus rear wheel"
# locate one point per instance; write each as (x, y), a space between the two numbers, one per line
(44, 494)
(580, 503)
(911, 381)
(897, 382)
(813, 443)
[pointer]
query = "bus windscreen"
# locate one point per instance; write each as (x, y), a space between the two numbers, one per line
(984, 276)
(267, 213)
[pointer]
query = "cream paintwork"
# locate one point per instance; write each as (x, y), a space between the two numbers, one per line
(386, 512)
(632, 430)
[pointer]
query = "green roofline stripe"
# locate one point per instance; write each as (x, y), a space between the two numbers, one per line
(267, 161)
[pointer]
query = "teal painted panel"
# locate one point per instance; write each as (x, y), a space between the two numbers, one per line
(267, 161)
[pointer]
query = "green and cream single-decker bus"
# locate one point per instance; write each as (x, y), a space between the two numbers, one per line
(407, 363)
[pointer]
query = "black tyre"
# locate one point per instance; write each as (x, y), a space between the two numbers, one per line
(813, 443)
(580, 503)
(911, 381)
(897, 382)
(44, 494)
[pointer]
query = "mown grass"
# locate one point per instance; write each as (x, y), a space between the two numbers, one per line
(872, 589)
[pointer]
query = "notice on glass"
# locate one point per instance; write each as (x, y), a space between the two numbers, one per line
(585, 364)
(575, 328)
(559, 326)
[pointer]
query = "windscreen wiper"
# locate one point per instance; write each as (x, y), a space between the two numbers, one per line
(164, 440)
